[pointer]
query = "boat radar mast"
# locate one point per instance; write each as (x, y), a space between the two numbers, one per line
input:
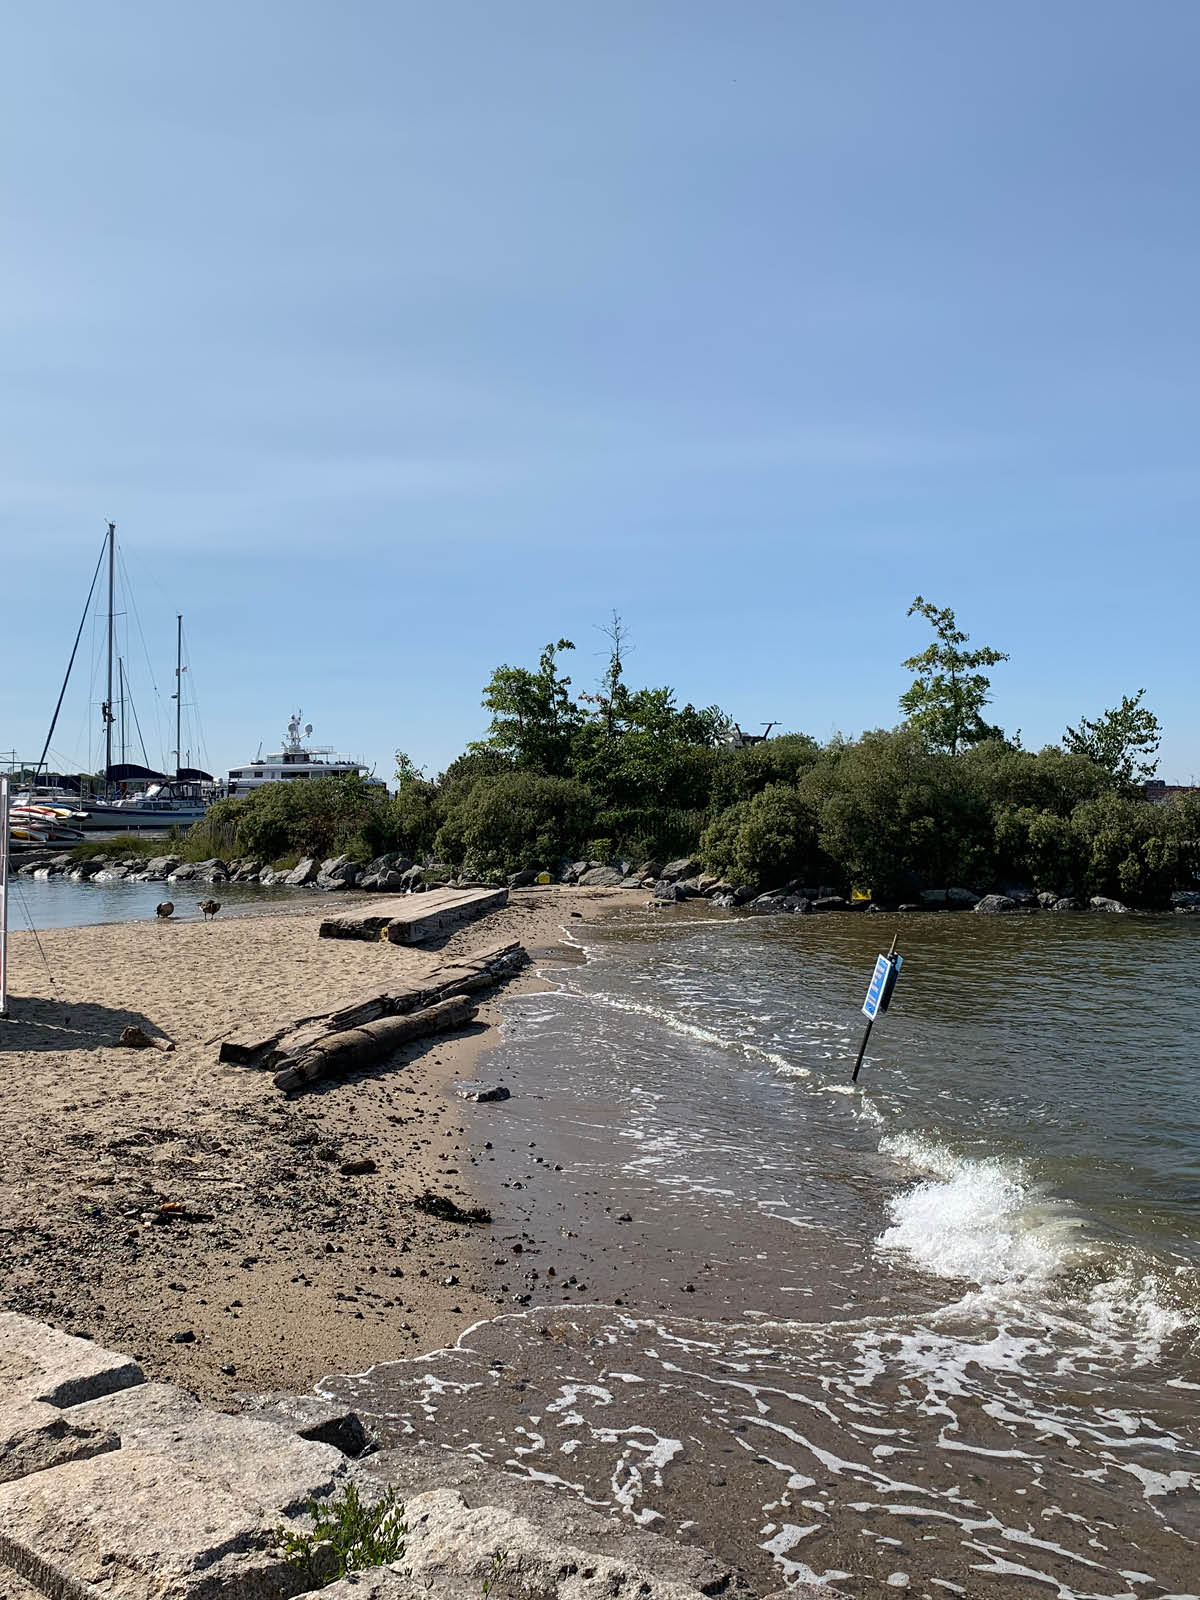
(294, 732)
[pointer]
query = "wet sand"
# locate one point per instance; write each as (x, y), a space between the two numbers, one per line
(291, 1268)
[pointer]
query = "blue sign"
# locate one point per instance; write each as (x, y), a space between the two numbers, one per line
(883, 981)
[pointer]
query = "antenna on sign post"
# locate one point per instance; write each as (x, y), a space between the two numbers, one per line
(879, 994)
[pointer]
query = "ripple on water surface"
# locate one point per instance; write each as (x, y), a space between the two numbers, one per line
(944, 1327)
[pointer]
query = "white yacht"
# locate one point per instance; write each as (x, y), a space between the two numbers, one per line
(297, 760)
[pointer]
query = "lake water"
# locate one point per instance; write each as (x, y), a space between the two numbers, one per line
(43, 903)
(938, 1333)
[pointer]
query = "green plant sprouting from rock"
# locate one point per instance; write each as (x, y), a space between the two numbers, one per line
(346, 1536)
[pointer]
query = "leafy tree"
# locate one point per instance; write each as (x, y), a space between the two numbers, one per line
(533, 715)
(739, 774)
(949, 691)
(522, 819)
(764, 841)
(893, 812)
(1131, 850)
(1122, 741)
(406, 769)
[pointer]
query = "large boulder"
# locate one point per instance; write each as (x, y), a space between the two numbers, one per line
(649, 869)
(271, 875)
(522, 879)
(668, 891)
(830, 902)
(995, 904)
(685, 867)
(1186, 900)
(338, 872)
(600, 878)
(961, 899)
(113, 873)
(1066, 904)
(934, 898)
(1100, 902)
(158, 869)
(304, 872)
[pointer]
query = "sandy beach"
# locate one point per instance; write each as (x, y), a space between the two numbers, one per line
(290, 1268)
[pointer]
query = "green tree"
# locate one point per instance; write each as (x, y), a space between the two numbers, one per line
(949, 691)
(533, 715)
(407, 769)
(1122, 741)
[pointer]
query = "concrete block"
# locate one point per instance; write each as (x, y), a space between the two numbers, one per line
(324, 1420)
(35, 1436)
(134, 1525)
(38, 1362)
(263, 1464)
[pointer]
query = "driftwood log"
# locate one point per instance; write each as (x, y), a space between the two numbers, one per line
(338, 1053)
(480, 970)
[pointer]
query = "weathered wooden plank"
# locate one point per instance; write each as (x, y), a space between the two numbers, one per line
(374, 1042)
(424, 917)
(429, 921)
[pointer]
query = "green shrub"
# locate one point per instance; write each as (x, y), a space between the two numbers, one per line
(347, 1536)
(764, 841)
(514, 821)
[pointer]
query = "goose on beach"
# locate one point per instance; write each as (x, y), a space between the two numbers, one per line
(209, 907)
(164, 909)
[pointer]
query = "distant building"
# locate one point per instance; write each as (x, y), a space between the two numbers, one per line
(1158, 791)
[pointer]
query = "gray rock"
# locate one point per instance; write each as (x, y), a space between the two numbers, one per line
(725, 900)
(766, 905)
(668, 891)
(261, 1462)
(325, 1421)
(994, 904)
(650, 869)
(915, 905)
(338, 872)
(934, 897)
(85, 871)
(630, 883)
(481, 1091)
(1019, 893)
(1186, 900)
(385, 878)
(685, 867)
(801, 906)
(1066, 904)
(1047, 899)
(143, 1526)
(600, 877)
(35, 1436)
(962, 899)
(831, 902)
(111, 874)
(522, 879)
(1100, 902)
(269, 875)
(41, 1363)
(246, 871)
(304, 872)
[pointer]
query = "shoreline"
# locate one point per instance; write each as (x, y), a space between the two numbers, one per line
(291, 1268)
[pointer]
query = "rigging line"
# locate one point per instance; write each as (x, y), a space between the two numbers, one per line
(15, 883)
(132, 609)
(70, 664)
(201, 741)
(138, 726)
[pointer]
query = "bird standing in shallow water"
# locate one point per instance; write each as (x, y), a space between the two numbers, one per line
(209, 907)
(165, 909)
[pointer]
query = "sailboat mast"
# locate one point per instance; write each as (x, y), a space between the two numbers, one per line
(112, 591)
(121, 703)
(178, 689)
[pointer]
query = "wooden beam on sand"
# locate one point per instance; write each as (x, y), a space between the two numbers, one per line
(355, 1048)
(425, 916)
(464, 975)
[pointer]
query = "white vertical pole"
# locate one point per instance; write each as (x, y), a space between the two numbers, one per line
(4, 798)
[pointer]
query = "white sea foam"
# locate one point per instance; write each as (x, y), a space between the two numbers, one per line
(978, 1219)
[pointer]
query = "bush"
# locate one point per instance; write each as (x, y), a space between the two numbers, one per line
(347, 1536)
(894, 812)
(313, 816)
(765, 841)
(740, 774)
(517, 820)
(1131, 850)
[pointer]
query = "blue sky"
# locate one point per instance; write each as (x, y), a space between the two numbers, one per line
(399, 339)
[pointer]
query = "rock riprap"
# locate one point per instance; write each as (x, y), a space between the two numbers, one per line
(111, 1486)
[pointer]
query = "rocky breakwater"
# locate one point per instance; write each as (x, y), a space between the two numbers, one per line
(112, 1485)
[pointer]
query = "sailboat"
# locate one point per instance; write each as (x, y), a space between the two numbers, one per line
(136, 799)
